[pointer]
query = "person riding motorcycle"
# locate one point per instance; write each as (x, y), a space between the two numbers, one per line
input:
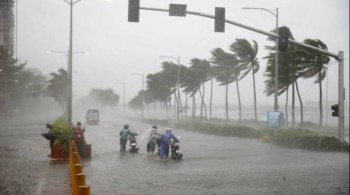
(165, 143)
(124, 134)
(152, 141)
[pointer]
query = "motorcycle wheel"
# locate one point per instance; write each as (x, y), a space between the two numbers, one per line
(177, 156)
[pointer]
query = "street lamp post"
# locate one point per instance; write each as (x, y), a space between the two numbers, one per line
(69, 81)
(178, 82)
(276, 54)
(142, 95)
(70, 60)
(123, 83)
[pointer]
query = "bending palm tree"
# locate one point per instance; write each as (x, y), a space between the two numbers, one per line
(246, 54)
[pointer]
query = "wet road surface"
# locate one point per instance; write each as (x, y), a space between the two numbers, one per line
(211, 165)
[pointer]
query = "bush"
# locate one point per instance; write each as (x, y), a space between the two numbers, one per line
(292, 138)
(62, 132)
(307, 139)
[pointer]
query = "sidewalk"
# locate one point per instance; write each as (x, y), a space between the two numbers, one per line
(25, 168)
(55, 179)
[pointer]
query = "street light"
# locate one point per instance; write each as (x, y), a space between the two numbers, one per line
(69, 82)
(142, 95)
(178, 82)
(123, 83)
(276, 54)
(70, 60)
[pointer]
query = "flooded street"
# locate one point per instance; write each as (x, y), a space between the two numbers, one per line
(211, 165)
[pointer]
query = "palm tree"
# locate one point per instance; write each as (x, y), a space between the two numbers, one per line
(246, 54)
(288, 74)
(201, 70)
(225, 70)
(313, 63)
(190, 85)
(158, 89)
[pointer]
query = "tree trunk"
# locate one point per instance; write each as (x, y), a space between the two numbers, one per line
(301, 104)
(211, 98)
(203, 103)
(320, 103)
(186, 106)
(254, 89)
(201, 95)
(286, 107)
(239, 102)
(226, 102)
(293, 105)
(193, 106)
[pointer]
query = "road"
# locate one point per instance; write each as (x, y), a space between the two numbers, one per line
(211, 165)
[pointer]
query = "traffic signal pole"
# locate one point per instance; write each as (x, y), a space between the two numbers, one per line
(339, 57)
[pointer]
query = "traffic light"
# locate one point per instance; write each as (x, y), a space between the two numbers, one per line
(219, 19)
(283, 34)
(134, 11)
(335, 108)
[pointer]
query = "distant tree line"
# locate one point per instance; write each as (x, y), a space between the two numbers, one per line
(227, 67)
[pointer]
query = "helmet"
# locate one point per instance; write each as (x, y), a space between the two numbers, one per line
(154, 127)
(168, 129)
(126, 126)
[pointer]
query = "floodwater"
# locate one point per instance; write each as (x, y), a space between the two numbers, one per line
(211, 165)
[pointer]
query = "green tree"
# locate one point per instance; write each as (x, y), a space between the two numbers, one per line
(10, 70)
(225, 70)
(313, 65)
(136, 102)
(201, 73)
(57, 88)
(106, 97)
(246, 54)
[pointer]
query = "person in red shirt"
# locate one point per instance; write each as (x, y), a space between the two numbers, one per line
(79, 139)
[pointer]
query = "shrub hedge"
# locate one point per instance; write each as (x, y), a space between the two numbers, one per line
(292, 138)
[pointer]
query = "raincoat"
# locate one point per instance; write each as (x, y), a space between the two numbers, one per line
(165, 142)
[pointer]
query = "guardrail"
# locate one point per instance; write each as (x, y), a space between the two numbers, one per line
(79, 186)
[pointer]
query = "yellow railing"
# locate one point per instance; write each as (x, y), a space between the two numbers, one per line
(79, 186)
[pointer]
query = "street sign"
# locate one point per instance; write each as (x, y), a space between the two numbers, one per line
(274, 119)
(177, 10)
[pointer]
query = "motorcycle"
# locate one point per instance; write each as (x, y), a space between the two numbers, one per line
(176, 153)
(133, 144)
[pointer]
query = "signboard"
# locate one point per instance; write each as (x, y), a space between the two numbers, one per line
(274, 119)
(177, 10)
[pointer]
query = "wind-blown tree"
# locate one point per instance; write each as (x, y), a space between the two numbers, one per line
(225, 70)
(136, 102)
(246, 54)
(289, 71)
(158, 88)
(57, 88)
(10, 83)
(313, 64)
(170, 72)
(201, 70)
(191, 85)
(105, 97)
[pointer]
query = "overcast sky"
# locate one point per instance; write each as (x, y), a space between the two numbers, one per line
(118, 48)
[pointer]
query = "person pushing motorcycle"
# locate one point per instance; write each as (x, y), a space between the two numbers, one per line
(124, 133)
(165, 142)
(152, 141)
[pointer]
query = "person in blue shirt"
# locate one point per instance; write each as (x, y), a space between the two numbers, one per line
(165, 143)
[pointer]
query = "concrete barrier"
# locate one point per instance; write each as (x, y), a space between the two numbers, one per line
(78, 178)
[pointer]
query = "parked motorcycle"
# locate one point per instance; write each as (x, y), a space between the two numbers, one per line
(176, 153)
(133, 144)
